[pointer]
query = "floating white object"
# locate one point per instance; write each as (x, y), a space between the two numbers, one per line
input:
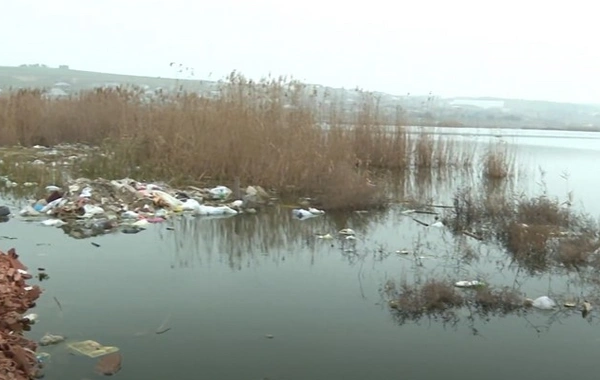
(315, 211)
(347, 231)
(468, 284)
(325, 237)
(438, 224)
(190, 205)
(53, 223)
(32, 317)
(141, 223)
(152, 186)
(214, 210)
(86, 192)
(220, 192)
(51, 188)
(237, 203)
(50, 206)
(301, 213)
(198, 209)
(543, 303)
(167, 198)
(91, 210)
(130, 215)
(29, 211)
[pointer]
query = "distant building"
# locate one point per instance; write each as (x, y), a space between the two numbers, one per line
(63, 67)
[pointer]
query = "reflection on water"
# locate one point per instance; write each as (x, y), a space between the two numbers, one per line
(225, 285)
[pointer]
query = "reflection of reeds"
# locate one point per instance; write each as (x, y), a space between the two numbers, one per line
(441, 299)
(538, 232)
(21, 177)
(245, 239)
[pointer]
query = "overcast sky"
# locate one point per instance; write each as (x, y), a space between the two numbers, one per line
(522, 49)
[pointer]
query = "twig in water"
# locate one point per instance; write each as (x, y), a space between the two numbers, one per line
(58, 303)
(425, 212)
(163, 326)
(472, 235)
(163, 330)
(422, 223)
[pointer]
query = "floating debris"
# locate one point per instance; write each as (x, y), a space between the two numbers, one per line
(91, 348)
(542, 303)
(50, 339)
(110, 364)
(469, 284)
(33, 318)
(300, 213)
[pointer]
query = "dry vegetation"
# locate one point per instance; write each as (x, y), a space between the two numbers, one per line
(265, 133)
(538, 233)
(497, 162)
(441, 299)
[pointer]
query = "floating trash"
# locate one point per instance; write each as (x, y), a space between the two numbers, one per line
(469, 284)
(91, 348)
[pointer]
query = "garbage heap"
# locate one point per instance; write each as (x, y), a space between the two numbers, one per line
(88, 208)
(17, 354)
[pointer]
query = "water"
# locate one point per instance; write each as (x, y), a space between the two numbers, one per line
(223, 285)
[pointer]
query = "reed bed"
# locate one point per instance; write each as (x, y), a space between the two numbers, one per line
(267, 132)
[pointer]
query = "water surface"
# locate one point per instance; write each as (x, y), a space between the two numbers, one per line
(223, 285)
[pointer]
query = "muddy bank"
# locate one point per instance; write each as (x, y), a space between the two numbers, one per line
(17, 354)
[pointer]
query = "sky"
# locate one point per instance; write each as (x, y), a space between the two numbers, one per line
(526, 49)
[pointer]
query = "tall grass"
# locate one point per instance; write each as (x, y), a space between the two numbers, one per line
(267, 132)
(498, 162)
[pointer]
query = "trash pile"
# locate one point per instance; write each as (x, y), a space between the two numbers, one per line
(17, 354)
(109, 358)
(87, 208)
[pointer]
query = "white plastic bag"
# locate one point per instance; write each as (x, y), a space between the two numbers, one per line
(543, 303)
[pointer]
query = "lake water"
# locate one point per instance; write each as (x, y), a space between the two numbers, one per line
(224, 285)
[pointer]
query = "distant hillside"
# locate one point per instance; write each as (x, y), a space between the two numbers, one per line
(46, 77)
(418, 110)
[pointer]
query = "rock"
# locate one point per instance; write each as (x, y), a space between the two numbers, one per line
(4, 211)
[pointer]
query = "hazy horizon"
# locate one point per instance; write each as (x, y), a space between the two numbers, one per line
(531, 50)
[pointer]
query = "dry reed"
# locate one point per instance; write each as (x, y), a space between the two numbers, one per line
(497, 162)
(267, 132)
(538, 232)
